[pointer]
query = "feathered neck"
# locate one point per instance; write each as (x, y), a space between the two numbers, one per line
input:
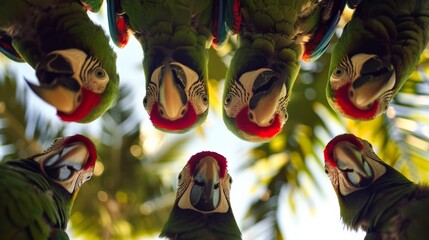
(376, 204)
(62, 199)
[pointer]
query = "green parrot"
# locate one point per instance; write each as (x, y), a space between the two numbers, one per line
(376, 53)
(175, 37)
(372, 195)
(74, 63)
(202, 209)
(273, 37)
(37, 193)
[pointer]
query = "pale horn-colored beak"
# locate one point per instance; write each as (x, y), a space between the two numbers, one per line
(172, 96)
(263, 104)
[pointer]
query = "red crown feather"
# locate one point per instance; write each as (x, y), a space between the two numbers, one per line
(348, 137)
(221, 161)
(89, 144)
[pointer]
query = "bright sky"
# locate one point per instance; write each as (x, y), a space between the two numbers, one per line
(320, 220)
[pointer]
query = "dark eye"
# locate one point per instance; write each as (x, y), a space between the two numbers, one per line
(205, 99)
(180, 177)
(230, 180)
(144, 101)
(228, 100)
(338, 72)
(326, 171)
(100, 73)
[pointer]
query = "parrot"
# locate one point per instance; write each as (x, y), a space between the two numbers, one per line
(273, 37)
(202, 208)
(37, 193)
(372, 195)
(73, 60)
(377, 51)
(175, 37)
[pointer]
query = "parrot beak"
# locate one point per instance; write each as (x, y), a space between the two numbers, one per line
(350, 161)
(267, 91)
(376, 77)
(60, 84)
(205, 193)
(66, 166)
(172, 95)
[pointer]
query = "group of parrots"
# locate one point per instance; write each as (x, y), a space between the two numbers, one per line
(76, 73)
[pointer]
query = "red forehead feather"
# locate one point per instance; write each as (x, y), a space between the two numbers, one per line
(186, 121)
(348, 137)
(89, 101)
(244, 124)
(349, 109)
(221, 161)
(89, 144)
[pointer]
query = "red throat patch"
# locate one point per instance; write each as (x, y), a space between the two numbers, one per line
(89, 101)
(186, 121)
(244, 124)
(349, 109)
(221, 161)
(347, 137)
(89, 144)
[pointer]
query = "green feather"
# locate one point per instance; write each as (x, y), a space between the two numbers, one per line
(393, 29)
(390, 204)
(27, 209)
(272, 35)
(52, 25)
(188, 224)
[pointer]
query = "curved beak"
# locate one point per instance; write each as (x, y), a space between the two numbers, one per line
(65, 166)
(375, 78)
(74, 155)
(205, 193)
(62, 98)
(58, 76)
(172, 96)
(267, 91)
(350, 160)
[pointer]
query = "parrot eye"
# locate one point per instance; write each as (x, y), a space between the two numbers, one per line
(250, 116)
(180, 177)
(227, 100)
(100, 73)
(144, 101)
(338, 72)
(205, 99)
(326, 171)
(230, 180)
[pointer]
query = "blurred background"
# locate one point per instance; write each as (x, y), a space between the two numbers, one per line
(280, 190)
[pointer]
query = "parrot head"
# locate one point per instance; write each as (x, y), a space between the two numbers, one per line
(176, 93)
(366, 187)
(76, 73)
(69, 162)
(351, 164)
(202, 206)
(204, 184)
(361, 86)
(255, 98)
